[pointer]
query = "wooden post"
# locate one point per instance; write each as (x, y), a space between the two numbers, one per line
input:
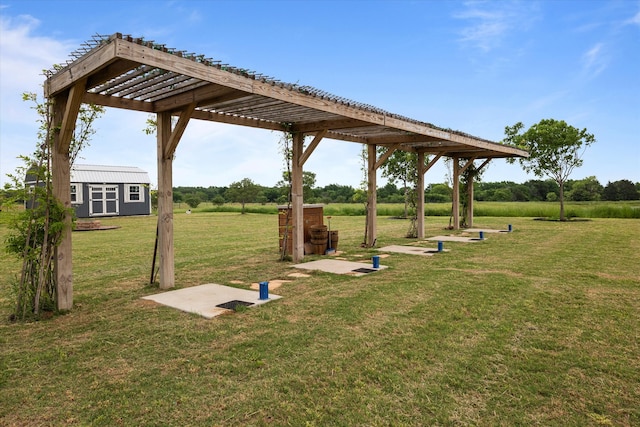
(297, 206)
(371, 195)
(165, 202)
(456, 194)
(420, 195)
(470, 201)
(61, 182)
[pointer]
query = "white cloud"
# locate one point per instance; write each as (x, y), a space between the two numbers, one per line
(595, 60)
(490, 23)
(635, 20)
(23, 56)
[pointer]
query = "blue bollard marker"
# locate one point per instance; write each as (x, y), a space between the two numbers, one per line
(510, 228)
(264, 290)
(376, 261)
(481, 233)
(440, 245)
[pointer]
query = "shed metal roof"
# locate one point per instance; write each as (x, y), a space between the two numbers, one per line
(98, 174)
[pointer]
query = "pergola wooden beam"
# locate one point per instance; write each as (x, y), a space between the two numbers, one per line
(422, 170)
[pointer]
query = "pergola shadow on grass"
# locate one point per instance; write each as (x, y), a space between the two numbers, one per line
(134, 74)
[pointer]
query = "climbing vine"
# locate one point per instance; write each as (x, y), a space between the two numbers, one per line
(37, 231)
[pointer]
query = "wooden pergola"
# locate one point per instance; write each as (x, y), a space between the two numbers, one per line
(131, 73)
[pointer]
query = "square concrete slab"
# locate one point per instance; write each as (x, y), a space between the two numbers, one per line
(203, 299)
(411, 250)
(340, 267)
(455, 239)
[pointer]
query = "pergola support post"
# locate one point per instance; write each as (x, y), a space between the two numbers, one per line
(61, 183)
(297, 200)
(165, 201)
(371, 196)
(420, 196)
(455, 210)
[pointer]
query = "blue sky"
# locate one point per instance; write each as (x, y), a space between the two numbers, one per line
(474, 66)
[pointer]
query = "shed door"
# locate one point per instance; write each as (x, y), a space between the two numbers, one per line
(103, 200)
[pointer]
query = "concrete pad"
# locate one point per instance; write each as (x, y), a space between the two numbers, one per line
(455, 239)
(203, 299)
(411, 250)
(338, 266)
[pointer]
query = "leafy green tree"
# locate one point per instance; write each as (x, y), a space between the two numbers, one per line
(585, 190)
(438, 193)
(555, 150)
(192, 200)
(620, 190)
(401, 166)
(244, 191)
(308, 183)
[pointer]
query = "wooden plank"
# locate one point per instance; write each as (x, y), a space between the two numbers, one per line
(312, 146)
(420, 201)
(109, 72)
(71, 110)
(327, 124)
(61, 181)
(211, 93)
(165, 203)
(178, 131)
(87, 65)
(456, 194)
(115, 102)
(297, 202)
(372, 197)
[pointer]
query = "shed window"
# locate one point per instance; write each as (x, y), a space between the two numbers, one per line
(134, 193)
(76, 193)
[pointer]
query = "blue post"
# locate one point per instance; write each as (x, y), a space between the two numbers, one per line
(481, 235)
(376, 261)
(264, 290)
(510, 228)
(440, 245)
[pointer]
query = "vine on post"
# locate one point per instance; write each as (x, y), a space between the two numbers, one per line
(37, 231)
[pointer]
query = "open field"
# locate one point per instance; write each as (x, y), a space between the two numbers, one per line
(627, 209)
(536, 327)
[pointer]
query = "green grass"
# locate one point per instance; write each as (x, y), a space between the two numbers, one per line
(629, 209)
(535, 327)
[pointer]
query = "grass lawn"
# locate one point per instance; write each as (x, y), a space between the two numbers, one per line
(537, 327)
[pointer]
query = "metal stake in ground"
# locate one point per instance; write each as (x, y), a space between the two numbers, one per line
(330, 249)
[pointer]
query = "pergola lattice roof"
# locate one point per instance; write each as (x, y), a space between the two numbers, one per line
(124, 72)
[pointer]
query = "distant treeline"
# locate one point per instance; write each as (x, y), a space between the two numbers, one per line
(588, 189)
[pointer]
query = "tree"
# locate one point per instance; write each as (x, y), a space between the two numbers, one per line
(193, 200)
(401, 166)
(38, 231)
(620, 190)
(555, 150)
(586, 190)
(244, 191)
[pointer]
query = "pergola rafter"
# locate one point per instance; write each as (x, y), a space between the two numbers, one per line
(131, 73)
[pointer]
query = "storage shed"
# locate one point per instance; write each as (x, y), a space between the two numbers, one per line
(100, 191)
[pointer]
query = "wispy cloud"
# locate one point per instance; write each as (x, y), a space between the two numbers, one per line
(635, 20)
(595, 60)
(490, 23)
